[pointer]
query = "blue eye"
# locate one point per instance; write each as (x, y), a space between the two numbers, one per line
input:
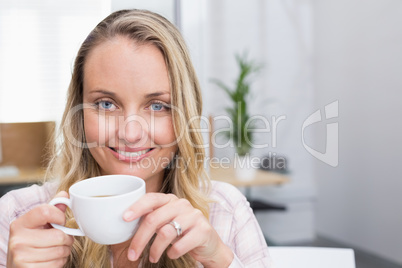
(107, 105)
(157, 106)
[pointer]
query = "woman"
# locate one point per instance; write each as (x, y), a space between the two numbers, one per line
(131, 104)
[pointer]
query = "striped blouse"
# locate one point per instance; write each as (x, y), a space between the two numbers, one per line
(230, 215)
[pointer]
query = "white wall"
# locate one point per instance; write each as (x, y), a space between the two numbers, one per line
(359, 62)
(279, 35)
(358, 48)
(164, 7)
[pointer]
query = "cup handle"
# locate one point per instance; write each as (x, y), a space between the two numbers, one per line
(69, 231)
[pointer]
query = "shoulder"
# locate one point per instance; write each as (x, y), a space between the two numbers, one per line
(229, 211)
(226, 195)
(18, 202)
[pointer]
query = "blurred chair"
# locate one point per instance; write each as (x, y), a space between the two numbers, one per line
(312, 257)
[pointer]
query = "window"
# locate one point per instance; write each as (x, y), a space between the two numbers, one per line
(38, 43)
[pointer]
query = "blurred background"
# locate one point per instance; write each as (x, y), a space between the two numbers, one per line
(330, 89)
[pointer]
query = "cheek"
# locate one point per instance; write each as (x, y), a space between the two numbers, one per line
(163, 132)
(92, 127)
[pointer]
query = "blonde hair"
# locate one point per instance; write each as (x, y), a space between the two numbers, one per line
(185, 176)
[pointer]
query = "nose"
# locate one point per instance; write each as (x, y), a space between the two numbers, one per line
(132, 130)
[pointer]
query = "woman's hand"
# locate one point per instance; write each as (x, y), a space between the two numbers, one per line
(198, 237)
(33, 243)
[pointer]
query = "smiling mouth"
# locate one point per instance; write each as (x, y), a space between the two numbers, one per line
(132, 154)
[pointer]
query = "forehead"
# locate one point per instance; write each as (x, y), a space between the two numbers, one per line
(121, 63)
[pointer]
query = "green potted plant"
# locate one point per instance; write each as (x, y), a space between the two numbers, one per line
(241, 134)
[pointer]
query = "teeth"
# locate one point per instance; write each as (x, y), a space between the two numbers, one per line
(133, 154)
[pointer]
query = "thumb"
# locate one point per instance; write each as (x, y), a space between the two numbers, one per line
(62, 207)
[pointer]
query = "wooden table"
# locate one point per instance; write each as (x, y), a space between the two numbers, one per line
(25, 176)
(227, 174)
(29, 176)
(261, 178)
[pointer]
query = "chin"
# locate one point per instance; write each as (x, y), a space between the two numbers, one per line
(133, 171)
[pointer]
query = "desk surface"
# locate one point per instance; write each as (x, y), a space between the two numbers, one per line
(227, 174)
(25, 176)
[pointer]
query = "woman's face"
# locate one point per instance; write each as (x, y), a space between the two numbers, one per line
(127, 117)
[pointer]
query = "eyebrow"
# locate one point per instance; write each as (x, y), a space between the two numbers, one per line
(147, 96)
(103, 92)
(156, 94)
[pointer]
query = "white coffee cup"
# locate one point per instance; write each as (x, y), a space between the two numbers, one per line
(98, 205)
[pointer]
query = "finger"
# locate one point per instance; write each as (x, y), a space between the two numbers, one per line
(59, 263)
(147, 203)
(41, 215)
(39, 238)
(50, 237)
(52, 253)
(202, 242)
(165, 236)
(152, 222)
(191, 240)
(39, 245)
(169, 235)
(44, 254)
(62, 207)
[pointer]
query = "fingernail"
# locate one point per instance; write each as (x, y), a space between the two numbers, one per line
(128, 215)
(151, 259)
(131, 255)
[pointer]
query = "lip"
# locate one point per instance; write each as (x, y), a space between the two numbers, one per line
(127, 159)
(131, 150)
